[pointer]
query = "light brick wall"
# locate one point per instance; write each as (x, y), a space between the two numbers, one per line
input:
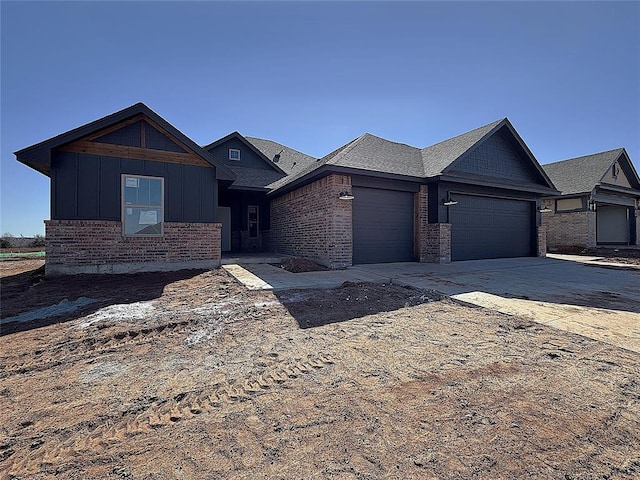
(437, 243)
(542, 241)
(421, 209)
(570, 229)
(88, 246)
(312, 222)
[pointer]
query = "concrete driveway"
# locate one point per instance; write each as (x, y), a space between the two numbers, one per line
(601, 302)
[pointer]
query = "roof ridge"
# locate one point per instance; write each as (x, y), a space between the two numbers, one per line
(492, 124)
(587, 155)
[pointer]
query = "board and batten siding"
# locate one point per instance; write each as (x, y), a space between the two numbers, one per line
(87, 187)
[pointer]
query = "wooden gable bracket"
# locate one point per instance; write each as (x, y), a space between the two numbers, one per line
(87, 145)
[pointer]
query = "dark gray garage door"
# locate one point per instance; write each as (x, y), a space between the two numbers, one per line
(382, 226)
(612, 224)
(486, 227)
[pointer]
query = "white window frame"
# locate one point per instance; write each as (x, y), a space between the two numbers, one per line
(235, 150)
(124, 205)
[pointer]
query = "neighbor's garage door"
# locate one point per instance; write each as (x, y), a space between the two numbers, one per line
(612, 224)
(487, 227)
(382, 225)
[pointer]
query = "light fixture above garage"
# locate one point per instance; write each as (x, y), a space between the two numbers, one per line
(449, 202)
(345, 196)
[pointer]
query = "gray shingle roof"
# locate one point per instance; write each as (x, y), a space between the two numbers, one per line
(581, 174)
(438, 157)
(374, 154)
(256, 178)
(290, 160)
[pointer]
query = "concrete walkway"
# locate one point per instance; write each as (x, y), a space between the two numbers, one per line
(575, 294)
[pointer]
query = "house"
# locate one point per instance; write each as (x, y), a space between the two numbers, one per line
(599, 202)
(130, 192)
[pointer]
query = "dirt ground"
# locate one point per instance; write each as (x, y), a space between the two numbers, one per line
(189, 376)
(630, 256)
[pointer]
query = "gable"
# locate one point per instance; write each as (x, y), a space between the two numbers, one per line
(249, 158)
(615, 176)
(135, 138)
(140, 134)
(496, 157)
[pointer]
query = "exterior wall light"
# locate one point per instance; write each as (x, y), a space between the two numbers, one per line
(592, 205)
(345, 196)
(449, 202)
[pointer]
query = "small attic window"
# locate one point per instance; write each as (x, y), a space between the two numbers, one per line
(614, 170)
(234, 154)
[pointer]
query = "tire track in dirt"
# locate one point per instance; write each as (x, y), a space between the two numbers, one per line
(160, 414)
(41, 360)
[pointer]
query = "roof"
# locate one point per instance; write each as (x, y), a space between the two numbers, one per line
(370, 153)
(583, 174)
(38, 156)
(289, 160)
(254, 178)
(438, 157)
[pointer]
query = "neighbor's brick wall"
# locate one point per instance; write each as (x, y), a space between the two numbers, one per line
(570, 229)
(542, 241)
(637, 227)
(87, 246)
(313, 222)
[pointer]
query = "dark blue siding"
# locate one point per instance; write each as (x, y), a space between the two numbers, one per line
(129, 136)
(87, 187)
(497, 158)
(158, 141)
(248, 158)
(65, 185)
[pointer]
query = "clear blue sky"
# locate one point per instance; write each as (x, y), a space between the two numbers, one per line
(316, 75)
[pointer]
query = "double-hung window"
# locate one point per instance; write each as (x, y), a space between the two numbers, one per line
(142, 205)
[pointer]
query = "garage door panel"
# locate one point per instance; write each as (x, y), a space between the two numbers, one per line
(382, 226)
(485, 227)
(612, 224)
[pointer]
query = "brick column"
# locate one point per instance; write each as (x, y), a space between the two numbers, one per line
(438, 243)
(542, 241)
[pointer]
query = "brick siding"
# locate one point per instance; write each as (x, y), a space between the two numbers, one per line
(571, 229)
(87, 246)
(312, 222)
(542, 241)
(638, 227)
(437, 243)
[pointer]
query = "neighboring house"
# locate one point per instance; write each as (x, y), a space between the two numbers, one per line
(130, 192)
(599, 202)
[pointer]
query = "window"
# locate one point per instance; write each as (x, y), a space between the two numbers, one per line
(234, 154)
(253, 221)
(142, 205)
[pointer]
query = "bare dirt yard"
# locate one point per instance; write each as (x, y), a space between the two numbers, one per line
(629, 256)
(188, 375)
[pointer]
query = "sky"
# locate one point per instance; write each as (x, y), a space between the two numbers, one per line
(315, 75)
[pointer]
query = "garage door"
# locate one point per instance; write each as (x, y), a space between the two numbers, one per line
(487, 227)
(382, 226)
(612, 224)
